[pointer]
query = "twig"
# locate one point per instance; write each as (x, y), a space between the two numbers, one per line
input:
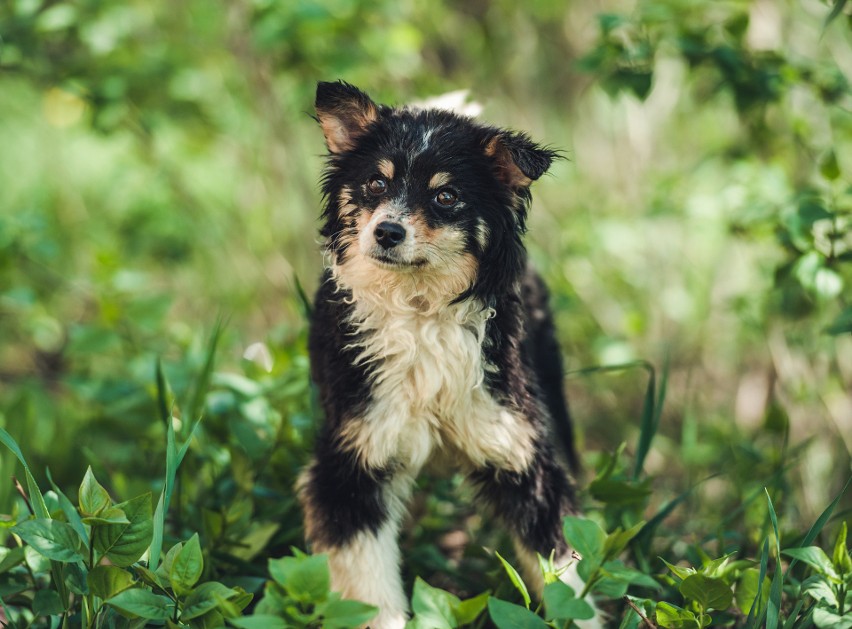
(639, 611)
(23, 494)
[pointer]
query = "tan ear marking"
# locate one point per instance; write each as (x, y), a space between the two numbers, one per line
(507, 169)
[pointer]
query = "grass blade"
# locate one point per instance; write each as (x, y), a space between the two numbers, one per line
(202, 383)
(836, 10)
(773, 608)
(307, 309)
(755, 606)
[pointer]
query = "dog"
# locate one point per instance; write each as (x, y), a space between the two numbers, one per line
(430, 336)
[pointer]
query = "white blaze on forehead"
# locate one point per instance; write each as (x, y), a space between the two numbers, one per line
(386, 168)
(439, 179)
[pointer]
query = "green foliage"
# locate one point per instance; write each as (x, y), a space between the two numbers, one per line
(158, 169)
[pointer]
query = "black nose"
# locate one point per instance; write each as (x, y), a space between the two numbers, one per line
(389, 234)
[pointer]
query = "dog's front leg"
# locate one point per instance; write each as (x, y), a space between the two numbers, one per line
(353, 514)
(532, 503)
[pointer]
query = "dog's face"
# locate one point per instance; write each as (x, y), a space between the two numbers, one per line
(423, 193)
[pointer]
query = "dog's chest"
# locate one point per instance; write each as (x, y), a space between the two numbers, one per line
(426, 365)
(427, 391)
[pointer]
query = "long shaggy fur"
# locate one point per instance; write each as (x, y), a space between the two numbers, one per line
(430, 335)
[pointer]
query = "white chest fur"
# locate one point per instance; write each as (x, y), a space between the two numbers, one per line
(427, 368)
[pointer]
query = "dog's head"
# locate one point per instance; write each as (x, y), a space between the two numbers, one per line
(424, 194)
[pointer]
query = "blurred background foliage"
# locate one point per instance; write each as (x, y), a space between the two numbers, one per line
(158, 170)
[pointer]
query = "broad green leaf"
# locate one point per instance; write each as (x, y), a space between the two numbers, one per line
(110, 515)
(818, 588)
(815, 557)
(560, 602)
(93, 497)
(306, 578)
(75, 578)
(107, 581)
(47, 603)
(124, 544)
(673, 617)
(469, 609)
(205, 598)
(516, 579)
(433, 607)
(842, 324)
(829, 167)
(830, 619)
(618, 571)
(258, 621)
(143, 604)
(342, 613)
(187, 566)
(747, 589)
(586, 537)
(840, 557)
(708, 592)
(55, 540)
(510, 616)
(620, 492)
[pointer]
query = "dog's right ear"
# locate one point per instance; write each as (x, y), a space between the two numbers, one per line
(344, 113)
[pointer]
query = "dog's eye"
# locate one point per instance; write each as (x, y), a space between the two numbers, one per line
(446, 197)
(377, 186)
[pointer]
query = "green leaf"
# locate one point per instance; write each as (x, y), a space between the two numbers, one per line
(433, 606)
(840, 557)
(47, 603)
(816, 558)
(828, 166)
(586, 537)
(306, 578)
(143, 604)
(93, 497)
(617, 540)
(618, 571)
(560, 602)
(748, 589)
(110, 515)
(124, 544)
(516, 579)
(187, 566)
(708, 592)
(55, 540)
(70, 512)
(258, 621)
(205, 598)
(10, 557)
(342, 613)
(510, 616)
(36, 497)
(620, 492)
(107, 581)
(818, 588)
(842, 324)
(829, 619)
(469, 609)
(674, 617)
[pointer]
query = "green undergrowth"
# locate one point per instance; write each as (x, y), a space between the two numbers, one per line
(89, 559)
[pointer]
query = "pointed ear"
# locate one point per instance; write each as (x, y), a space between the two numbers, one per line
(520, 161)
(344, 113)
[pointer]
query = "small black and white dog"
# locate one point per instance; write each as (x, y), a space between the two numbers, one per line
(430, 337)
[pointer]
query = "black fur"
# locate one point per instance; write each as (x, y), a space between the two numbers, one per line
(491, 172)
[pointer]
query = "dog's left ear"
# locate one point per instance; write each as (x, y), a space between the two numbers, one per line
(519, 160)
(344, 113)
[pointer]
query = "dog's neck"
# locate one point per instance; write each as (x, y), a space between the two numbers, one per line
(379, 292)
